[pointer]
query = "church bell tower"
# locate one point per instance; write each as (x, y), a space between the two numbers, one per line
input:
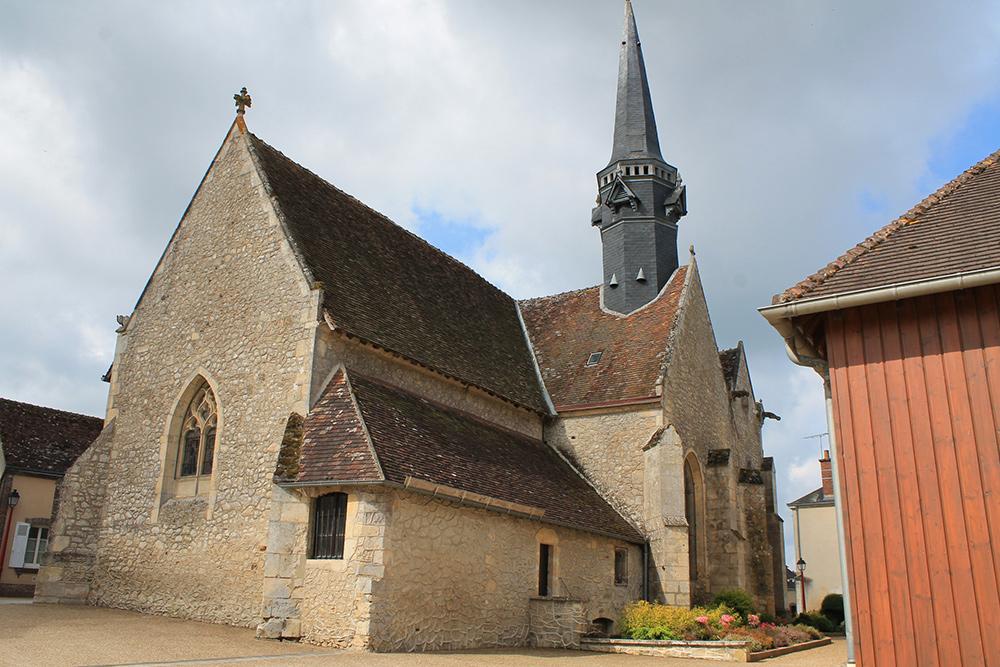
(640, 196)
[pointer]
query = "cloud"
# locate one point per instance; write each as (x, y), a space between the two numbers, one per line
(798, 127)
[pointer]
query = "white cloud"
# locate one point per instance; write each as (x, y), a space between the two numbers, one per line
(778, 114)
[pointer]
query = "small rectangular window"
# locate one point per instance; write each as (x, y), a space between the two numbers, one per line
(329, 524)
(38, 542)
(621, 567)
(594, 358)
(544, 564)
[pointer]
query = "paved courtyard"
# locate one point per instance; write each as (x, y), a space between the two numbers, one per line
(54, 635)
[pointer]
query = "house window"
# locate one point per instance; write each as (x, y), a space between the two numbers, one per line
(594, 358)
(544, 569)
(328, 526)
(621, 567)
(196, 455)
(28, 546)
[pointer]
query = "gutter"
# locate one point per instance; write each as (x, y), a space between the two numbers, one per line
(802, 352)
(893, 292)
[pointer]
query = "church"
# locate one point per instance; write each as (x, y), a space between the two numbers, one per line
(320, 426)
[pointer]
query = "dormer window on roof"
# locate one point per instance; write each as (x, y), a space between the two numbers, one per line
(595, 358)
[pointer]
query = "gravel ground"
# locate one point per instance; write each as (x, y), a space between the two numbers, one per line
(55, 635)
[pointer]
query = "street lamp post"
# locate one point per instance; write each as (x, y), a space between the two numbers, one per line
(801, 567)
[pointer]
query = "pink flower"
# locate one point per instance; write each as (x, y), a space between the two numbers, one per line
(753, 620)
(702, 619)
(726, 620)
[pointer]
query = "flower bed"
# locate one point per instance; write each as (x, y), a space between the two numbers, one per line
(715, 633)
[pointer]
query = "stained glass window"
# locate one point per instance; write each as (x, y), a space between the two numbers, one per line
(197, 447)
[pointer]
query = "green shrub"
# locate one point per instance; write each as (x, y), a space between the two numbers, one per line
(736, 599)
(833, 608)
(815, 620)
(642, 620)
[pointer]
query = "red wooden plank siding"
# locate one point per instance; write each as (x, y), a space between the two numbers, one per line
(989, 330)
(857, 572)
(929, 501)
(915, 586)
(916, 392)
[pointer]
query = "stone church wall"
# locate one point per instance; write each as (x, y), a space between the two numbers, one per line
(607, 446)
(325, 602)
(422, 573)
(698, 404)
(228, 302)
(461, 577)
(68, 564)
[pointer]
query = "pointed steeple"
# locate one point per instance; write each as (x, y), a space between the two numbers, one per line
(640, 197)
(635, 126)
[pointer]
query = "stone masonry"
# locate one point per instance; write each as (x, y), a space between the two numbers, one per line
(69, 563)
(249, 332)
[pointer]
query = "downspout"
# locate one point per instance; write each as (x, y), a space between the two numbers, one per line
(645, 570)
(822, 367)
(839, 511)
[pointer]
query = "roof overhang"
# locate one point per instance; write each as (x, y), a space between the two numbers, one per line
(782, 316)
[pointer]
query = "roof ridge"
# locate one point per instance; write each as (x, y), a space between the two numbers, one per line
(806, 285)
(48, 409)
(559, 294)
(436, 404)
(385, 217)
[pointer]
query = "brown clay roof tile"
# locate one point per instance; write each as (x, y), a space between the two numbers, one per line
(391, 288)
(44, 440)
(414, 437)
(566, 329)
(331, 444)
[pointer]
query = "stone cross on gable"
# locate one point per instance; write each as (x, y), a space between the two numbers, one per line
(242, 101)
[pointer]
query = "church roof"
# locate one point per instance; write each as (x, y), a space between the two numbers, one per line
(954, 230)
(389, 287)
(362, 430)
(567, 329)
(635, 125)
(42, 440)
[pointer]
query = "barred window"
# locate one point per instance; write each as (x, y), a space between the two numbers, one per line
(328, 525)
(621, 567)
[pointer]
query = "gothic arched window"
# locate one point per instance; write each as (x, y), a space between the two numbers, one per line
(196, 452)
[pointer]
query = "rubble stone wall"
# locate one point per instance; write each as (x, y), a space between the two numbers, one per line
(460, 577)
(227, 303)
(67, 567)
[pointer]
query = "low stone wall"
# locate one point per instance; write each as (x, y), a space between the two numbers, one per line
(555, 622)
(725, 651)
(707, 650)
(67, 567)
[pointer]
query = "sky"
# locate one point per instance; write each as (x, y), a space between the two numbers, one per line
(798, 127)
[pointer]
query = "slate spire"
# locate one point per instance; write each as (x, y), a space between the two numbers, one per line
(635, 125)
(640, 196)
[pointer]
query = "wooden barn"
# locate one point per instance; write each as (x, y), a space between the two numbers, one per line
(905, 330)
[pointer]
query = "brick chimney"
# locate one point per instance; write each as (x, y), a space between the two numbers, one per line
(826, 472)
